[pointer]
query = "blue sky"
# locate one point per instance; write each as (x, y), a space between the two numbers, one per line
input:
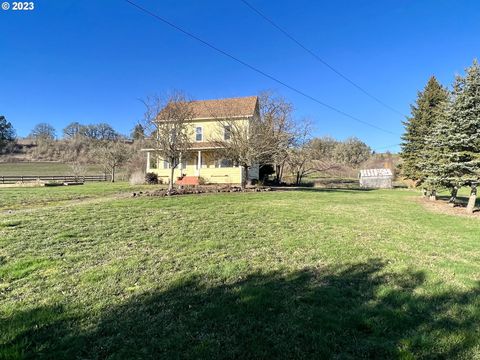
(90, 61)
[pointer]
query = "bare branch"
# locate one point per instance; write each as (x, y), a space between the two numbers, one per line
(167, 121)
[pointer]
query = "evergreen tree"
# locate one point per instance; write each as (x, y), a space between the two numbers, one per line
(425, 113)
(7, 133)
(435, 158)
(138, 132)
(458, 135)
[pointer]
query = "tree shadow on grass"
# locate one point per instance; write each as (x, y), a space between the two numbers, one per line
(348, 312)
(352, 190)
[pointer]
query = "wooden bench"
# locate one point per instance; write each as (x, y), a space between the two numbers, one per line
(188, 181)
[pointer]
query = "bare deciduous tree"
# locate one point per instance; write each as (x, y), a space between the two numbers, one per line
(310, 156)
(111, 155)
(78, 167)
(249, 144)
(300, 153)
(352, 152)
(262, 139)
(168, 121)
(72, 130)
(106, 132)
(43, 133)
(323, 147)
(276, 114)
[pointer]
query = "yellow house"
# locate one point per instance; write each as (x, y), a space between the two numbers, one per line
(203, 159)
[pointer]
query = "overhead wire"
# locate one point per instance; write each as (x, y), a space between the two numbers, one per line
(255, 69)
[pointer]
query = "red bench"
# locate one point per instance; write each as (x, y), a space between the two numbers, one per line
(188, 181)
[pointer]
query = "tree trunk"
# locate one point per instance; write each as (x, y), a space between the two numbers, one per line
(453, 195)
(472, 200)
(113, 174)
(424, 192)
(170, 183)
(277, 174)
(244, 177)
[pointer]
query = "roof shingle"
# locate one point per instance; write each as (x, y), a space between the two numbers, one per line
(221, 108)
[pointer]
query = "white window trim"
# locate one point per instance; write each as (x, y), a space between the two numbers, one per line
(196, 127)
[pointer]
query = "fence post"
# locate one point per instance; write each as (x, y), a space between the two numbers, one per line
(6, 179)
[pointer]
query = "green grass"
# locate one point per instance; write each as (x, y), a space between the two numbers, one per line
(18, 198)
(298, 274)
(43, 168)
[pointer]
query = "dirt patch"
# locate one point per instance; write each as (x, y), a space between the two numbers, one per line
(443, 207)
(23, 184)
(200, 190)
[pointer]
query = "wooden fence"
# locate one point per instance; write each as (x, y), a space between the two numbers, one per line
(12, 179)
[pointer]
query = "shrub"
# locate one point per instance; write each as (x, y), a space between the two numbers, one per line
(151, 178)
(137, 178)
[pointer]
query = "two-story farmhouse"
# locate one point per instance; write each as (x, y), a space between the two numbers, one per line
(204, 159)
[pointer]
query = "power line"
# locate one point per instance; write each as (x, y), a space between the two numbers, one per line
(318, 58)
(251, 67)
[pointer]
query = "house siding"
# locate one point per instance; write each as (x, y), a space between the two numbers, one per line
(209, 173)
(212, 129)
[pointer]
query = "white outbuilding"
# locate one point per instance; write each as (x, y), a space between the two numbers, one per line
(376, 178)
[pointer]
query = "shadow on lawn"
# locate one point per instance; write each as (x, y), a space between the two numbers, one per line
(320, 189)
(357, 311)
(461, 200)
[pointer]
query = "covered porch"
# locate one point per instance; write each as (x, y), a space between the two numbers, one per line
(205, 164)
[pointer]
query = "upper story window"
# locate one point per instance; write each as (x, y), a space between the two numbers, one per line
(198, 133)
(227, 132)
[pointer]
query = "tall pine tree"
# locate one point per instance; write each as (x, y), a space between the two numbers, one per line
(435, 159)
(425, 114)
(456, 139)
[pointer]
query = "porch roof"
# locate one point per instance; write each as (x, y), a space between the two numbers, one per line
(201, 145)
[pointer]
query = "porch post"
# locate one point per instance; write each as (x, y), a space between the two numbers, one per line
(148, 161)
(199, 161)
(180, 163)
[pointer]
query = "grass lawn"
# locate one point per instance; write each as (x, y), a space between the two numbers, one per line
(18, 198)
(88, 273)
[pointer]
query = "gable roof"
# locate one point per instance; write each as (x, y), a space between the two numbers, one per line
(221, 108)
(241, 106)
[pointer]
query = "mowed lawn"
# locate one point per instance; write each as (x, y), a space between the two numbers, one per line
(339, 274)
